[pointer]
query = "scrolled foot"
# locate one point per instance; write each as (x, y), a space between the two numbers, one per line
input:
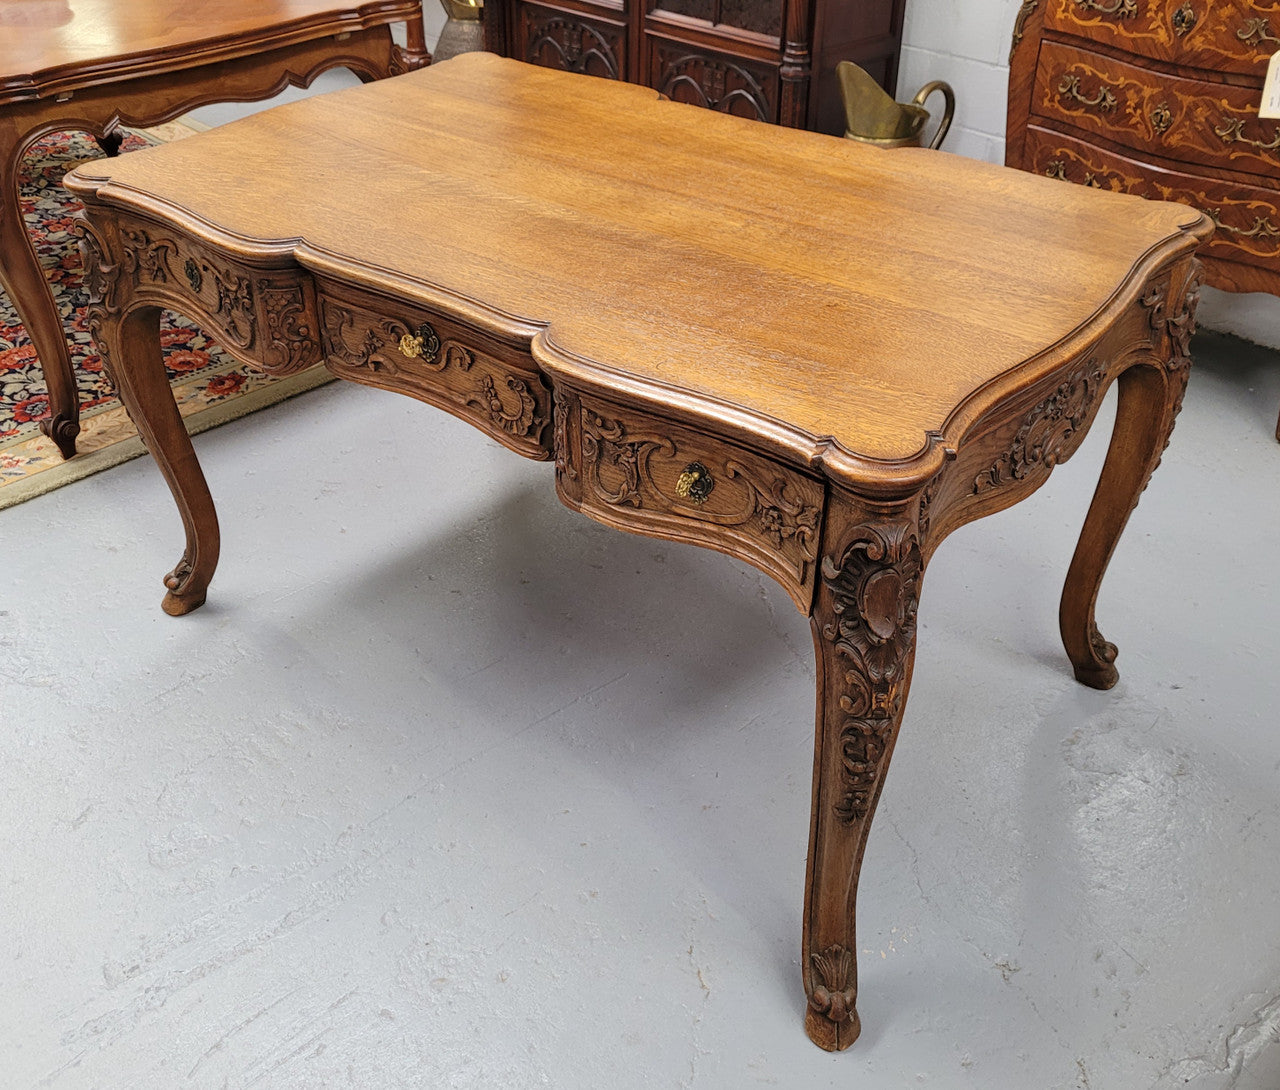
(62, 429)
(1098, 671)
(185, 595)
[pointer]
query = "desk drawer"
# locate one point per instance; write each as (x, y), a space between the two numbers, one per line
(641, 473)
(437, 360)
(1218, 35)
(1248, 217)
(1191, 121)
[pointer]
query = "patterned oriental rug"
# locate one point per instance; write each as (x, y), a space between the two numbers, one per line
(211, 388)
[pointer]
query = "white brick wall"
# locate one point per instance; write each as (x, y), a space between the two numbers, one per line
(966, 43)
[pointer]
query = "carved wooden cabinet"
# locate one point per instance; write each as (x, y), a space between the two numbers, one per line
(1159, 98)
(773, 60)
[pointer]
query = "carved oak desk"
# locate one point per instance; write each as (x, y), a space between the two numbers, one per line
(905, 342)
(94, 64)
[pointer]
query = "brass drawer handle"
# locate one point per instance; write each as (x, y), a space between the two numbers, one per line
(1161, 118)
(420, 344)
(1262, 228)
(1105, 99)
(1184, 19)
(1232, 132)
(1123, 9)
(1256, 28)
(695, 483)
(1058, 169)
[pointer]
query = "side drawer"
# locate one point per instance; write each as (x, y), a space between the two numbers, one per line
(1217, 35)
(635, 471)
(1187, 120)
(435, 359)
(1248, 217)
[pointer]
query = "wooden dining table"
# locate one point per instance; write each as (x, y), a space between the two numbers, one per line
(94, 65)
(816, 356)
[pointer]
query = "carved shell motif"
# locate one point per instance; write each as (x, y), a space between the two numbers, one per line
(875, 588)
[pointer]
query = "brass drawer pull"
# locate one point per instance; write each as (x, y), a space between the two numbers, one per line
(1184, 19)
(1124, 9)
(1105, 99)
(1256, 28)
(1262, 228)
(420, 344)
(1056, 169)
(695, 483)
(1161, 118)
(1232, 133)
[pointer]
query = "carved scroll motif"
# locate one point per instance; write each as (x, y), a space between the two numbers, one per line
(291, 344)
(836, 995)
(374, 351)
(875, 587)
(519, 417)
(1178, 328)
(100, 284)
(146, 258)
(505, 399)
(777, 510)
(605, 443)
(1046, 432)
(786, 521)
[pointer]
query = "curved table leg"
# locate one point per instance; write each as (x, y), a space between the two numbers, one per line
(24, 281)
(1149, 400)
(864, 626)
(144, 389)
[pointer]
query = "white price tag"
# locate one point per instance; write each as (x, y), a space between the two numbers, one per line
(1271, 89)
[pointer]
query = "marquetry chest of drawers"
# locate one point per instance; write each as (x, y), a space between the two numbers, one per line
(1159, 98)
(771, 60)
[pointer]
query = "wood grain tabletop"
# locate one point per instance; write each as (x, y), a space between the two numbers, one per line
(848, 294)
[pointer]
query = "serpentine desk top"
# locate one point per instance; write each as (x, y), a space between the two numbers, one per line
(901, 343)
(879, 294)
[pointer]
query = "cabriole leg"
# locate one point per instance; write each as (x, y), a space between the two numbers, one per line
(864, 627)
(24, 281)
(132, 344)
(1150, 397)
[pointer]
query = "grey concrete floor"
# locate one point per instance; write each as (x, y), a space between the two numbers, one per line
(448, 786)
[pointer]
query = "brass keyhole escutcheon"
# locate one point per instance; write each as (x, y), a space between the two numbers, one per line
(420, 344)
(1184, 19)
(695, 483)
(1161, 118)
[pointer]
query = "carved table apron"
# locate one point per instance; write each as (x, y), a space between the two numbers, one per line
(798, 421)
(105, 63)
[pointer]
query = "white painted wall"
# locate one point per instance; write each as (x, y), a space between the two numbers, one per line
(966, 43)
